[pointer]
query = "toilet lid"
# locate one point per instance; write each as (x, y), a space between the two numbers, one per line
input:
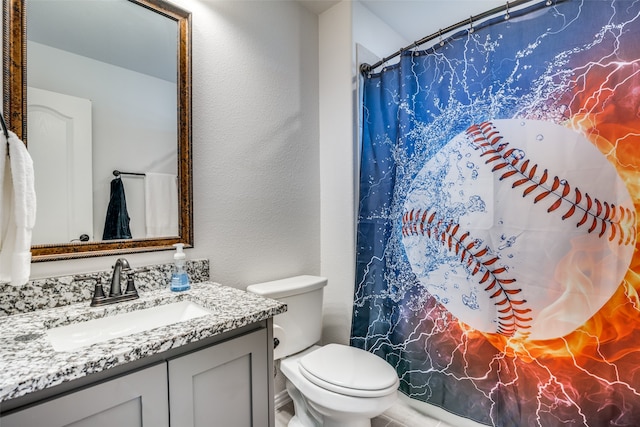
(349, 370)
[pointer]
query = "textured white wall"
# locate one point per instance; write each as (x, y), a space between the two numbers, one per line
(255, 144)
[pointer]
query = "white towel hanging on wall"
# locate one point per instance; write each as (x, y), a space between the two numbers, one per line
(161, 204)
(18, 210)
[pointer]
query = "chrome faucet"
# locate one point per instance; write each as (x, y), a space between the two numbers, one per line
(121, 264)
(115, 292)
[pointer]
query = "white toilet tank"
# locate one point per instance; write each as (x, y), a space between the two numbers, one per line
(300, 326)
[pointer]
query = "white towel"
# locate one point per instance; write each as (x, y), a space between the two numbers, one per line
(161, 204)
(18, 213)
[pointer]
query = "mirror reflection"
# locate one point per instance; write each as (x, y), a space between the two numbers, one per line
(104, 107)
(102, 97)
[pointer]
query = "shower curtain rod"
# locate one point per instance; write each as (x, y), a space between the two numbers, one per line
(366, 68)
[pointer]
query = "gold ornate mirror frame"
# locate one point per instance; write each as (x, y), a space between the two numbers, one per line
(15, 109)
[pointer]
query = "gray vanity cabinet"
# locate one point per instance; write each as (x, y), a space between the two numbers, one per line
(133, 400)
(223, 385)
(227, 383)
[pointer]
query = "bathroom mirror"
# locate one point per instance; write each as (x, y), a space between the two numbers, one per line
(137, 53)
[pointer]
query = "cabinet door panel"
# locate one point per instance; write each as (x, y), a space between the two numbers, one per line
(224, 385)
(134, 400)
(127, 414)
(231, 408)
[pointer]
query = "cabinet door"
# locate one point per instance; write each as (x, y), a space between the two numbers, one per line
(225, 385)
(133, 400)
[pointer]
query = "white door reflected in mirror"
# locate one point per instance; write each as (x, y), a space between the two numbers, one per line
(60, 145)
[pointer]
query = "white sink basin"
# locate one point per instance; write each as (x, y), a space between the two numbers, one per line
(76, 335)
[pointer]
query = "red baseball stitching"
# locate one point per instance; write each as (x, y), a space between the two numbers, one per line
(603, 215)
(511, 305)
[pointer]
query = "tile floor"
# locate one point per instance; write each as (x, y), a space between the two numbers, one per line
(398, 415)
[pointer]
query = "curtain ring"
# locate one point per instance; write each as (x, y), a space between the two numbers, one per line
(549, 2)
(440, 35)
(471, 29)
(506, 15)
(414, 48)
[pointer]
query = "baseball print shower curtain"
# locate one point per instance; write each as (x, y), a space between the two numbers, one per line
(497, 268)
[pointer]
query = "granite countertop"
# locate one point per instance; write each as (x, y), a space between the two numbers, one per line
(29, 363)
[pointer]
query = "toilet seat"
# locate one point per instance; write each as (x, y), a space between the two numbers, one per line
(349, 371)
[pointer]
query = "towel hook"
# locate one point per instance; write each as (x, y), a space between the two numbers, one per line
(5, 130)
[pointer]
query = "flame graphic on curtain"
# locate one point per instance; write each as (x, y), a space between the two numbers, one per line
(497, 265)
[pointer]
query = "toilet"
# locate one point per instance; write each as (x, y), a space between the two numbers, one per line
(331, 385)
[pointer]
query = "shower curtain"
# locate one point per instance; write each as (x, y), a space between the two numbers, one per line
(497, 268)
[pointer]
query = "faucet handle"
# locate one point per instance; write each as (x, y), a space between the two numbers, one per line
(131, 287)
(98, 291)
(98, 294)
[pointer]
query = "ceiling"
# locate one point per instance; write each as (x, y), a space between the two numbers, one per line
(415, 19)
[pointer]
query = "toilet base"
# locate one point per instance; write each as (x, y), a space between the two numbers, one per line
(340, 419)
(305, 415)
